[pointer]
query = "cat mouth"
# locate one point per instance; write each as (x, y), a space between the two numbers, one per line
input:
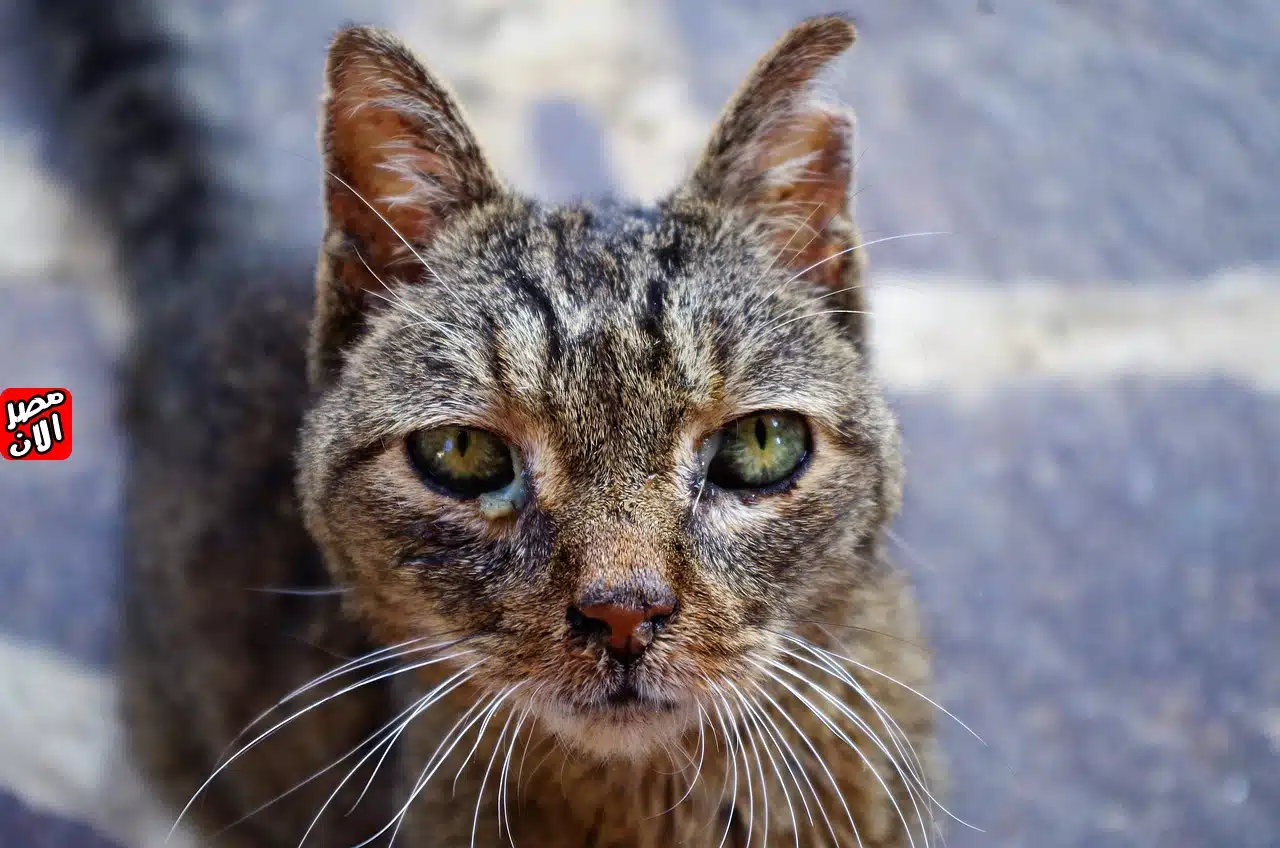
(622, 721)
(627, 701)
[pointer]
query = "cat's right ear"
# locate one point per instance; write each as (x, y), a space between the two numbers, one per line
(399, 162)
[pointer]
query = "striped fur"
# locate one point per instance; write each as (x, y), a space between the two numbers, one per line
(268, 427)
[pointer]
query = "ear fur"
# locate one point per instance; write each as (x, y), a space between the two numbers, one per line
(399, 161)
(786, 159)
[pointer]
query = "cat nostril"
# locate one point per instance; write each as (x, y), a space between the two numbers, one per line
(629, 629)
(581, 625)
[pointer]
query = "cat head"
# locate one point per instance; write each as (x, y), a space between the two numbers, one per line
(613, 453)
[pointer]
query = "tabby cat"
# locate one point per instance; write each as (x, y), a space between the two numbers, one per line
(552, 525)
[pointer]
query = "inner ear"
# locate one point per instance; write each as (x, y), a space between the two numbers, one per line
(785, 159)
(804, 196)
(399, 157)
(400, 165)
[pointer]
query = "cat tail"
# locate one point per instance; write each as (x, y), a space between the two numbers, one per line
(113, 82)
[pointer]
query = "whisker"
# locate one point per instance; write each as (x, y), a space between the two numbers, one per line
(731, 760)
(844, 737)
(299, 592)
(895, 731)
(818, 314)
(480, 735)
(702, 750)
(808, 743)
(384, 220)
(896, 734)
(741, 748)
(348, 755)
(421, 706)
(748, 712)
(346, 689)
(755, 752)
(923, 649)
(399, 302)
(774, 733)
(803, 226)
(912, 779)
(910, 689)
(484, 781)
(521, 786)
(504, 799)
(372, 658)
(434, 698)
(862, 246)
(437, 760)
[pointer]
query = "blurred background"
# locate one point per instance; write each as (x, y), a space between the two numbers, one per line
(1086, 365)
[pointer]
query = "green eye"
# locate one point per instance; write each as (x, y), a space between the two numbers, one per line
(465, 462)
(760, 451)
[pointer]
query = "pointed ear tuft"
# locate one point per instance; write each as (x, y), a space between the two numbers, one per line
(777, 90)
(398, 153)
(785, 159)
(399, 162)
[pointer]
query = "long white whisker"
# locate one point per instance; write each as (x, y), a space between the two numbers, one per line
(804, 226)
(844, 737)
(755, 752)
(913, 691)
(785, 750)
(339, 761)
(702, 750)
(435, 696)
(732, 760)
(897, 735)
(422, 705)
(741, 747)
(372, 658)
(846, 288)
(818, 314)
(862, 246)
(504, 797)
(750, 714)
(434, 763)
(484, 781)
(914, 763)
(346, 689)
(917, 791)
(390, 226)
(480, 735)
(822, 763)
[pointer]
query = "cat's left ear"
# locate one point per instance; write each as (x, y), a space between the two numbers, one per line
(400, 165)
(786, 159)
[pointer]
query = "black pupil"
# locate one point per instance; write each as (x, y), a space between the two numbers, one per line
(762, 433)
(444, 458)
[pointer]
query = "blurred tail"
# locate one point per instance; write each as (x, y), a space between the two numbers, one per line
(110, 77)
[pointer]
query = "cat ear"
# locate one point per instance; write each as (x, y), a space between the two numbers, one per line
(399, 162)
(786, 159)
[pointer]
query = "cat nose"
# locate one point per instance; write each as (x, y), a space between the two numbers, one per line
(629, 627)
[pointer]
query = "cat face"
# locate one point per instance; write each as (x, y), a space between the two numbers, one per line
(613, 454)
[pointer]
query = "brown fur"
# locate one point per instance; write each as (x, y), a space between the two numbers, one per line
(605, 343)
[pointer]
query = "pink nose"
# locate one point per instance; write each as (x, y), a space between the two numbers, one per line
(630, 629)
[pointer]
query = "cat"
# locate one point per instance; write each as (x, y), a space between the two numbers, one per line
(503, 521)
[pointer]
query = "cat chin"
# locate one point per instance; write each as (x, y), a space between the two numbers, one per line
(633, 733)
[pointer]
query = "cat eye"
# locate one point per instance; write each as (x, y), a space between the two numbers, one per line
(466, 462)
(759, 451)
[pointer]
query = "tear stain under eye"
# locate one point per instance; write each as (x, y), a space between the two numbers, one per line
(506, 501)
